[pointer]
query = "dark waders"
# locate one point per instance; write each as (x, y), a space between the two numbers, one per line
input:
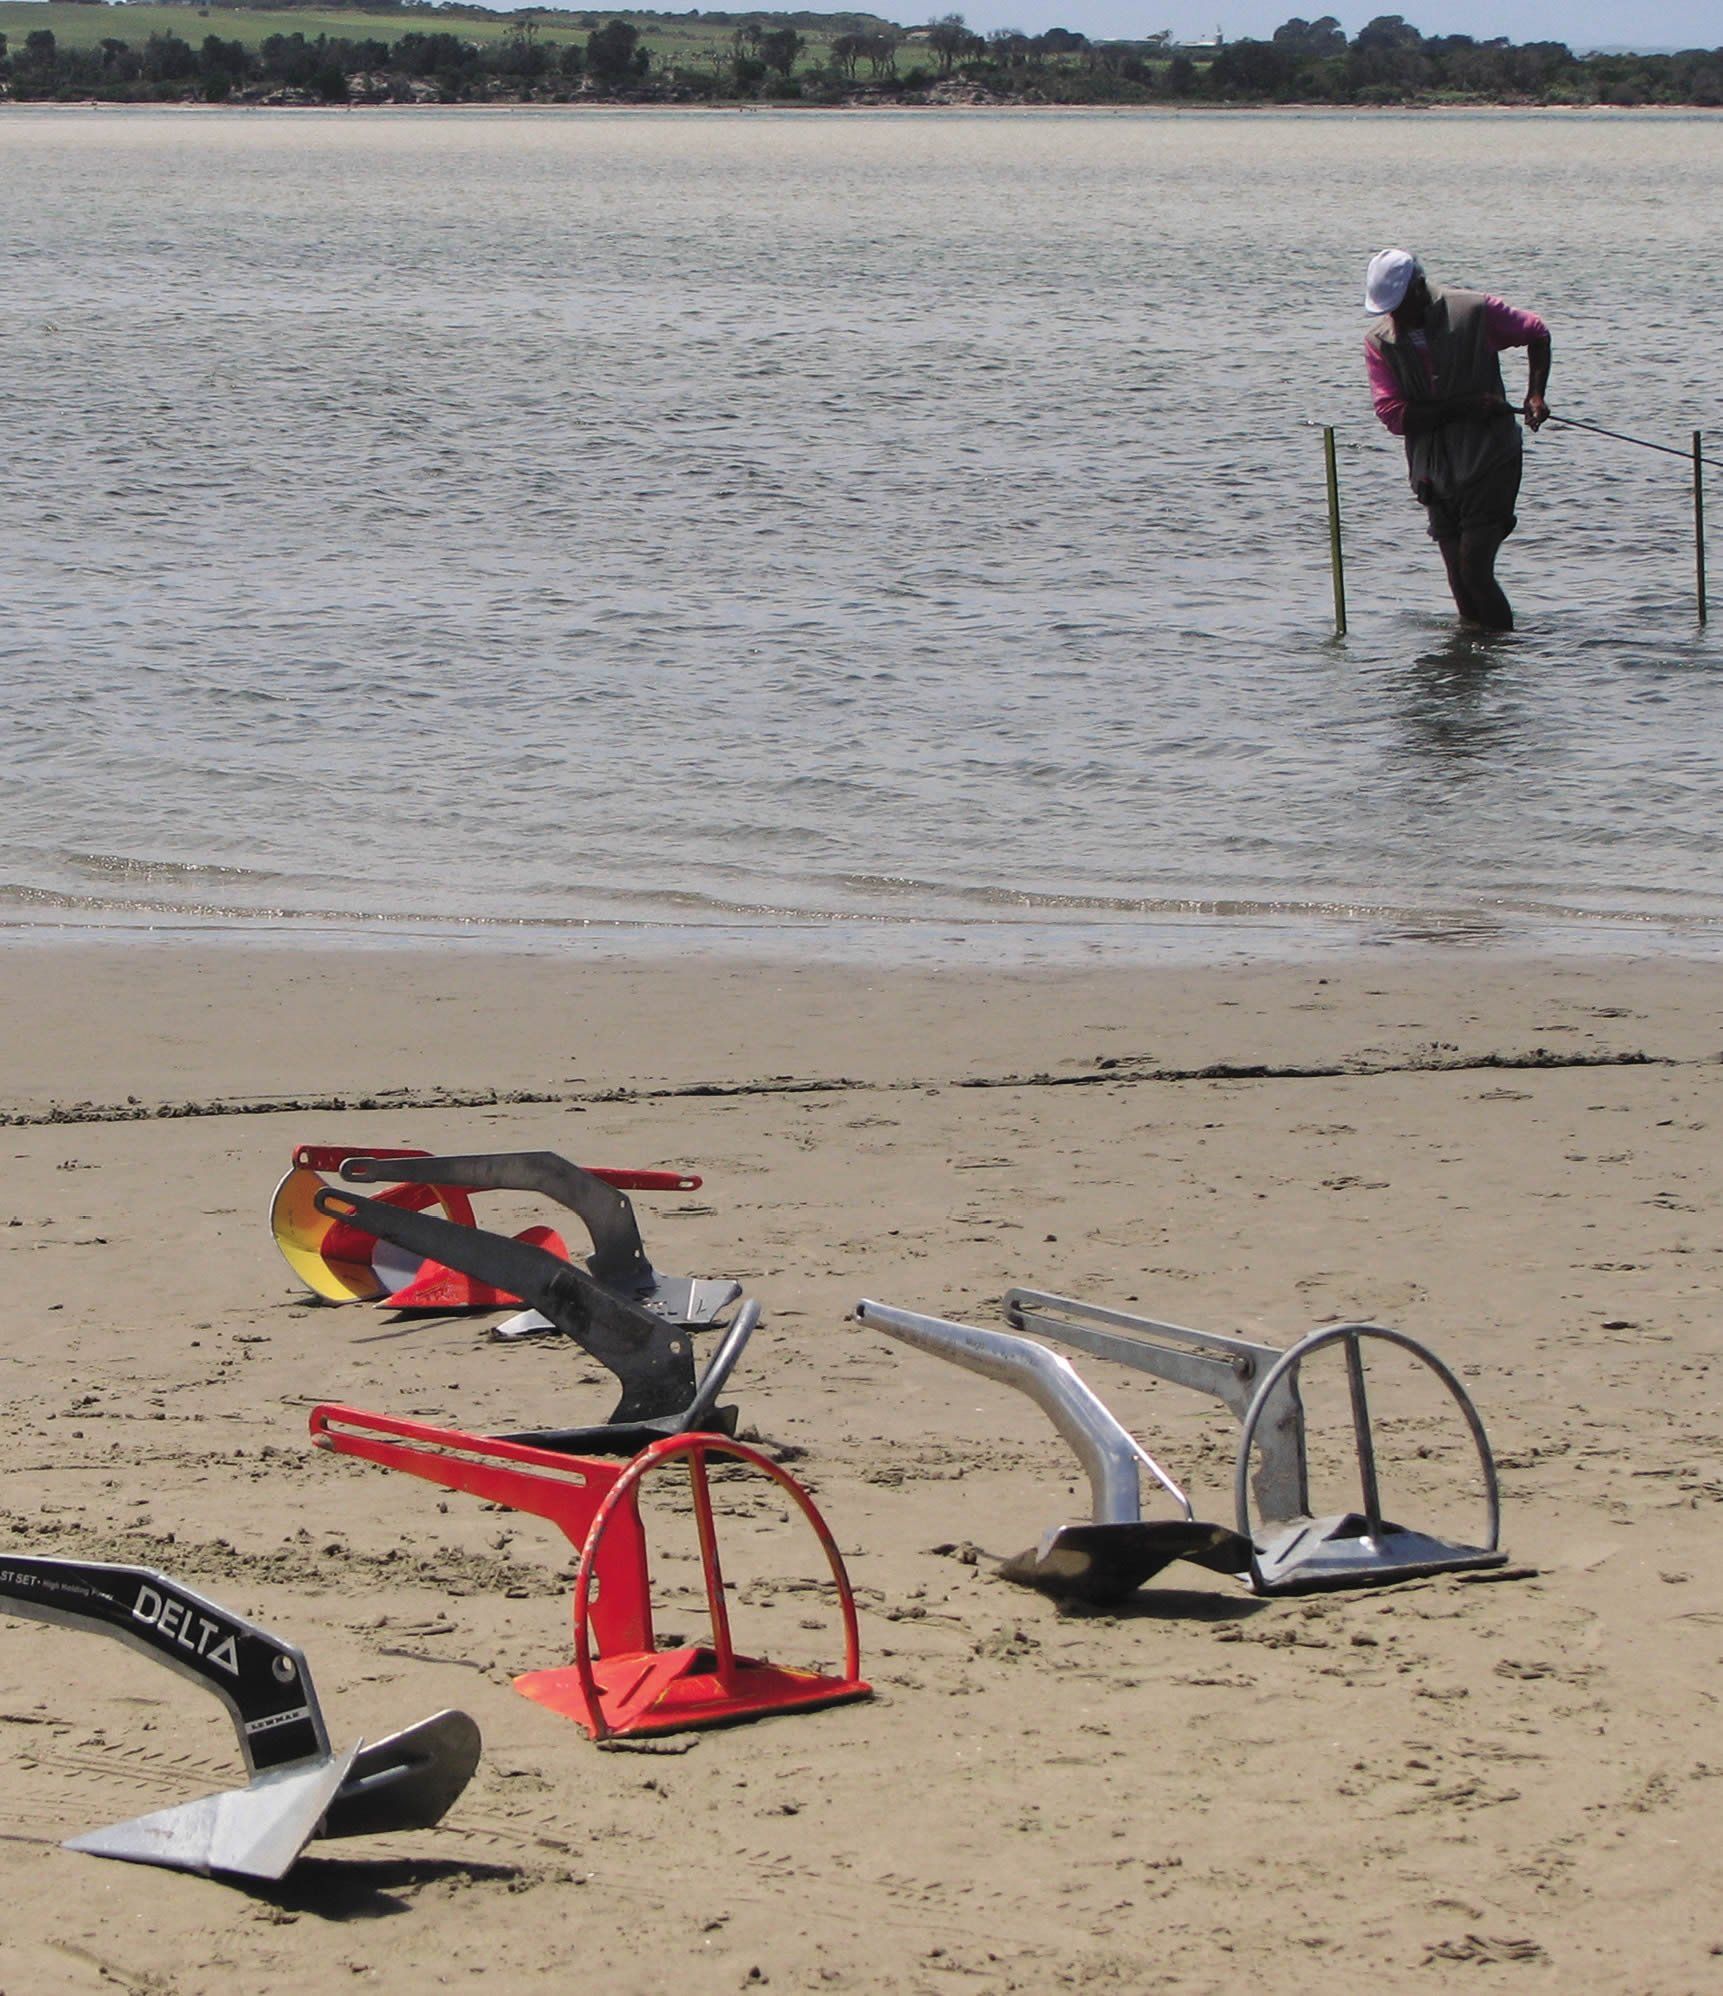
(1471, 564)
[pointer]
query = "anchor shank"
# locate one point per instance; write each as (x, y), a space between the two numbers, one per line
(263, 1681)
(653, 1361)
(1107, 1452)
(619, 1256)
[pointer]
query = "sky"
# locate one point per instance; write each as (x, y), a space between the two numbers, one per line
(1582, 24)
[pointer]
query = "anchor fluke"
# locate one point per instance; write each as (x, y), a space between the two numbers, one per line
(1102, 1565)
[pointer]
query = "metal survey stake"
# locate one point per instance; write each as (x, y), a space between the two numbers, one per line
(1336, 559)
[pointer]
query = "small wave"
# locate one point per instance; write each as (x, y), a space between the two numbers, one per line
(118, 866)
(1115, 924)
(1029, 904)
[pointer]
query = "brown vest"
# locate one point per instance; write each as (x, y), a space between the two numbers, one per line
(1455, 329)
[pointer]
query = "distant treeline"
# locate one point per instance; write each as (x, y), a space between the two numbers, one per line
(846, 59)
(1390, 62)
(559, 17)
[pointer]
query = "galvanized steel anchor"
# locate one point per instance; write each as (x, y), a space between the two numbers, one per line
(1281, 1549)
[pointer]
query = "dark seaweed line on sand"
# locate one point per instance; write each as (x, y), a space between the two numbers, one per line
(1107, 1074)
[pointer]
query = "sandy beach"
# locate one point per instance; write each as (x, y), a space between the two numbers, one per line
(1512, 1781)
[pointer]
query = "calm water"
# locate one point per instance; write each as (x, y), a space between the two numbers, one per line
(891, 531)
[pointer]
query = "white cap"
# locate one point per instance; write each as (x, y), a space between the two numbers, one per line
(1389, 278)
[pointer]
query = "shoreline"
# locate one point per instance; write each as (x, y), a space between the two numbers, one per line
(755, 108)
(474, 616)
(1200, 934)
(310, 1026)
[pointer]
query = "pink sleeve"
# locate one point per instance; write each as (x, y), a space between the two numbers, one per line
(1385, 392)
(1510, 327)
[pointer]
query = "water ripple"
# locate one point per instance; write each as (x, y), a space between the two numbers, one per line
(843, 524)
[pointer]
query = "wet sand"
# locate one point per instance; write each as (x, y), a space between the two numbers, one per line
(1507, 1159)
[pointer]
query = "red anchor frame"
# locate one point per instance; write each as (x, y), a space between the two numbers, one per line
(619, 1682)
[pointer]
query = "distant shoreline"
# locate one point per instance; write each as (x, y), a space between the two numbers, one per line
(294, 54)
(916, 107)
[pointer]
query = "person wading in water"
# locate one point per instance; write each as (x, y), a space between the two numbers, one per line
(1437, 382)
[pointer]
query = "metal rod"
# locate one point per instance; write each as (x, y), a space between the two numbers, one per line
(1597, 430)
(1361, 1433)
(1336, 559)
(721, 1641)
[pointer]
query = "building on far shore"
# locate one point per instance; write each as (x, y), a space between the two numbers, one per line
(1161, 42)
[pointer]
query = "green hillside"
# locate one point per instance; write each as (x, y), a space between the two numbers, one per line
(675, 36)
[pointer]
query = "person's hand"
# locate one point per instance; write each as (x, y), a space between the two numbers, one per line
(1536, 412)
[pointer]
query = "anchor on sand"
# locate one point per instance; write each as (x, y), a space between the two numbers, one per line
(298, 1787)
(1284, 1549)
